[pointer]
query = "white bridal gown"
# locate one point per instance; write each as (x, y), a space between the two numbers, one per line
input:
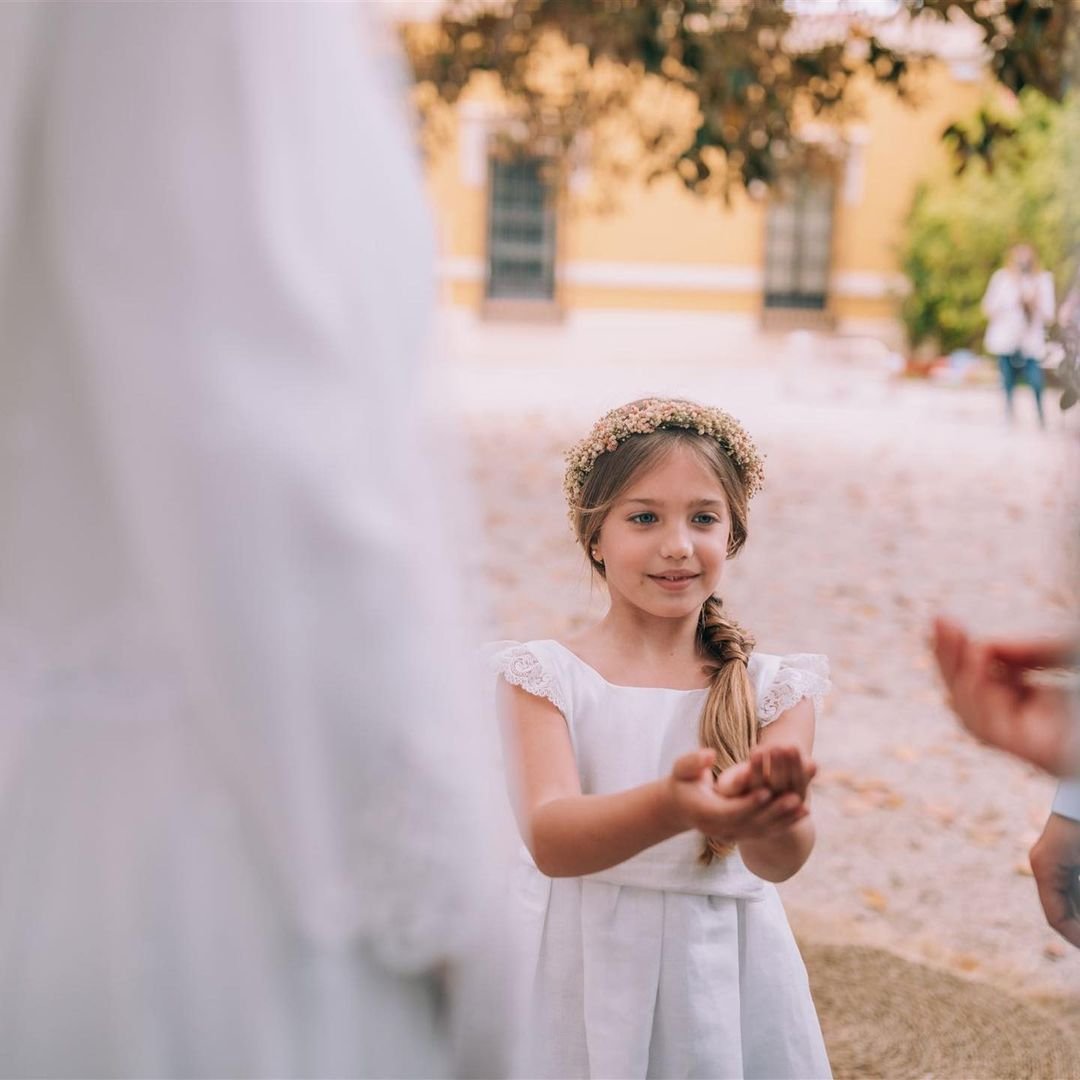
(240, 818)
(658, 967)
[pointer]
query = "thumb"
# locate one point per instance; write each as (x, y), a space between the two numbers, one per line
(735, 780)
(691, 766)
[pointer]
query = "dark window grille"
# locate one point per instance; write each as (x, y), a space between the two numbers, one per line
(521, 231)
(798, 245)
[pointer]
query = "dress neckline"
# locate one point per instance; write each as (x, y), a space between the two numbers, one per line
(621, 686)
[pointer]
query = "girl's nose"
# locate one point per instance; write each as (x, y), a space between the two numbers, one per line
(676, 545)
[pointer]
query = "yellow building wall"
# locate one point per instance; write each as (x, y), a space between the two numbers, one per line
(626, 296)
(664, 223)
(903, 147)
(460, 210)
(663, 226)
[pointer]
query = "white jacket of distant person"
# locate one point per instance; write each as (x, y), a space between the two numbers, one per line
(1018, 304)
(243, 826)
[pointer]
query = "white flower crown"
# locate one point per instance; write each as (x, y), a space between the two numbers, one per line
(649, 415)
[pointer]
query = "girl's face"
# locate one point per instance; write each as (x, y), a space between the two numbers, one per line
(664, 542)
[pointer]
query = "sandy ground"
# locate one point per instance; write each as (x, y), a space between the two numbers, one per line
(886, 501)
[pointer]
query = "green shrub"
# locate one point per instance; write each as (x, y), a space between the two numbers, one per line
(960, 226)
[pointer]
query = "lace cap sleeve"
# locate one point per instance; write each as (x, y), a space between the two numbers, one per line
(518, 664)
(799, 675)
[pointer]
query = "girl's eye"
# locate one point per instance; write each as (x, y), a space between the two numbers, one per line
(646, 517)
(706, 519)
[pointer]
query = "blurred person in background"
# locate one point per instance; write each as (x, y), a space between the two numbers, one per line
(1068, 338)
(1018, 305)
(1002, 695)
(243, 822)
(1069, 312)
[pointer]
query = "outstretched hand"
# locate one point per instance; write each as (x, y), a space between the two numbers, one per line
(992, 691)
(741, 803)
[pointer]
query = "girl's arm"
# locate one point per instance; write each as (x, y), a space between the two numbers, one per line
(781, 854)
(567, 833)
(570, 834)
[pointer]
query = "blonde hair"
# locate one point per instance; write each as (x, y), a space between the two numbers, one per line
(728, 722)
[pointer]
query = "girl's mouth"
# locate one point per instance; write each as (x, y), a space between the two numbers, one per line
(676, 582)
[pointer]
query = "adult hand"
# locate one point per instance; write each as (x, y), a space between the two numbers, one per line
(991, 690)
(1055, 861)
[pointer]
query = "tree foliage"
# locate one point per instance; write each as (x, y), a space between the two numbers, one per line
(738, 76)
(960, 227)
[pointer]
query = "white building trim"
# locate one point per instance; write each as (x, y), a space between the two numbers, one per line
(476, 122)
(703, 277)
(461, 268)
(857, 138)
(629, 275)
(707, 277)
(868, 284)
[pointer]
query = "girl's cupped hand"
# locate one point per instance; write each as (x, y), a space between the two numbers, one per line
(758, 797)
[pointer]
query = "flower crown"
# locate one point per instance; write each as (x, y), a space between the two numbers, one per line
(649, 415)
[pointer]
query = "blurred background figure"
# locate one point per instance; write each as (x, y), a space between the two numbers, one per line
(1068, 342)
(995, 690)
(1069, 312)
(242, 802)
(1018, 304)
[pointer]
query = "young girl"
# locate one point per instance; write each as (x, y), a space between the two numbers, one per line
(662, 773)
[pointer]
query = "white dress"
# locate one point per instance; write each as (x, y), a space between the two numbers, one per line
(657, 967)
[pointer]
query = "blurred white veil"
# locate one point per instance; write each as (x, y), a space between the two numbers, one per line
(244, 795)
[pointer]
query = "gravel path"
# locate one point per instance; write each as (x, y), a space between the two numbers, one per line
(886, 501)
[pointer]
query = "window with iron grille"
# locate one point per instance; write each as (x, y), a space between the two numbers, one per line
(521, 231)
(798, 245)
